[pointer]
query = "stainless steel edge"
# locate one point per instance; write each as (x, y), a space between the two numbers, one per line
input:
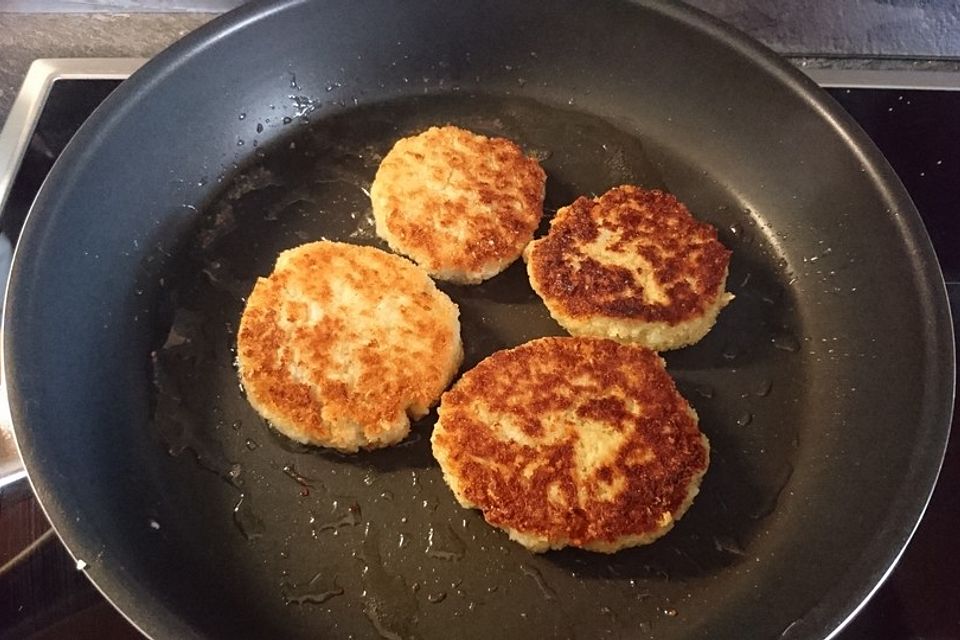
(14, 139)
(16, 132)
(905, 79)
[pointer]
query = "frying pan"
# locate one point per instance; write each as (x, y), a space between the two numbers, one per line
(825, 387)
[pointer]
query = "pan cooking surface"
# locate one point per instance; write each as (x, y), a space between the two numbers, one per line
(375, 542)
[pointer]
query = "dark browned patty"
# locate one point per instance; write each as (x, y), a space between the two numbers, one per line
(572, 441)
(632, 265)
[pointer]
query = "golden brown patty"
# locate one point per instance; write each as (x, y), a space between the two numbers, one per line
(461, 205)
(572, 441)
(632, 265)
(343, 344)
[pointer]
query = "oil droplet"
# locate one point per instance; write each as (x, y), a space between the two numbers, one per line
(313, 592)
(236, 424)
(246, 520)
(534, 574)
(729, 545)
(345, 512)
(153, 524)
(670, 612)
(304, 105)
(251, 444)
(386, 495)
(243, 116)
(259, 127)
(730, 352)
(436, 598)
(443, 543)
(763, 388)
(745, 419)
(291, 472)
(785, 342)
(288, 120)
(704, 391)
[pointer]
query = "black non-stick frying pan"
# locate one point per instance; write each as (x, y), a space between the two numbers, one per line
(825, 388)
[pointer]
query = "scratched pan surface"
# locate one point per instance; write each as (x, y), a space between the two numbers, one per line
(823, 387)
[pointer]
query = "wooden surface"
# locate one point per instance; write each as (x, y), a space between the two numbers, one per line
(45, 597)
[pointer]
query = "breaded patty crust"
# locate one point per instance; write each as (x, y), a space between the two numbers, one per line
(582, 442)
(342, 345)
(461, 205)
(632, 265)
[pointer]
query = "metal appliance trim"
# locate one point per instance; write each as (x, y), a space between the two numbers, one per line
(905, 79)
(26, 108)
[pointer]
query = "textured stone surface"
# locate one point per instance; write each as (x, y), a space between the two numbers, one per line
(815, 32)
(119, 6)
(865, 28)
(26, 37)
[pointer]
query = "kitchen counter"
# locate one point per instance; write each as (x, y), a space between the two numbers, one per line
(24, 37)
(867, 34)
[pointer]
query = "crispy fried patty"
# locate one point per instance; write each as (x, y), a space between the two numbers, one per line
(461, 205)
(572, 441)
(343, 344)
(632, 265)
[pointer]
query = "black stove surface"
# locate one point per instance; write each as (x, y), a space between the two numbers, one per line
(68, 105)
(918, 131)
